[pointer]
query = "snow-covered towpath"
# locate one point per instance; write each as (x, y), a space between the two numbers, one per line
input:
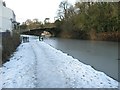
(38, 65)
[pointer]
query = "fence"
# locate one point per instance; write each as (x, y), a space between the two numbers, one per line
(9, 45)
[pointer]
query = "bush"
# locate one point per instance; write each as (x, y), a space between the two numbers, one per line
(9, 44)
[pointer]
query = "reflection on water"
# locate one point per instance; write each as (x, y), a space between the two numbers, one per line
(101, 55)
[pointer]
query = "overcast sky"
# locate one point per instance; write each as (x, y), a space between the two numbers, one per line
(30, 9)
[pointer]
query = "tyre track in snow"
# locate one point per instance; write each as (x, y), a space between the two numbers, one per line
(48, 75)
(60, 65)
(32, 47)
(70, 82)
(57, 67)
(62, 68)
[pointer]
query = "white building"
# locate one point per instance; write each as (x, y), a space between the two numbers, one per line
(7, 18)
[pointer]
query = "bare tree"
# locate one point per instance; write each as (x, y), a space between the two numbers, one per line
(63, 9)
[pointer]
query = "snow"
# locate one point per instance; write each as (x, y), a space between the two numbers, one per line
(19, 71)
(36, 64)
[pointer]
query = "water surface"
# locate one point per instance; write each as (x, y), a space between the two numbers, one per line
(102, 55)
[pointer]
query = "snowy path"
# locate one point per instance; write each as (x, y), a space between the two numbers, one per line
(38, 65)
(47, 72)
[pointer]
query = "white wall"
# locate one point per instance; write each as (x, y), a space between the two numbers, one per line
(6, 15)
(0, 15)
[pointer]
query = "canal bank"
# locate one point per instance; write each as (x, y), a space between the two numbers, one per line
(101, 55)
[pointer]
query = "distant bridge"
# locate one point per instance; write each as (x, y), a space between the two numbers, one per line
(38, 32)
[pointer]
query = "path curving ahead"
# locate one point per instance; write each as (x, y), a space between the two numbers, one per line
(36, 64)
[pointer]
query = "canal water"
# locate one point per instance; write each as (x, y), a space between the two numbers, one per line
(101, 55)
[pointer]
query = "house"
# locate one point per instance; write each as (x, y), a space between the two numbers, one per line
(7, 18)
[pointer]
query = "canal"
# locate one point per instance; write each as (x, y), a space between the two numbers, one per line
(101, 55)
